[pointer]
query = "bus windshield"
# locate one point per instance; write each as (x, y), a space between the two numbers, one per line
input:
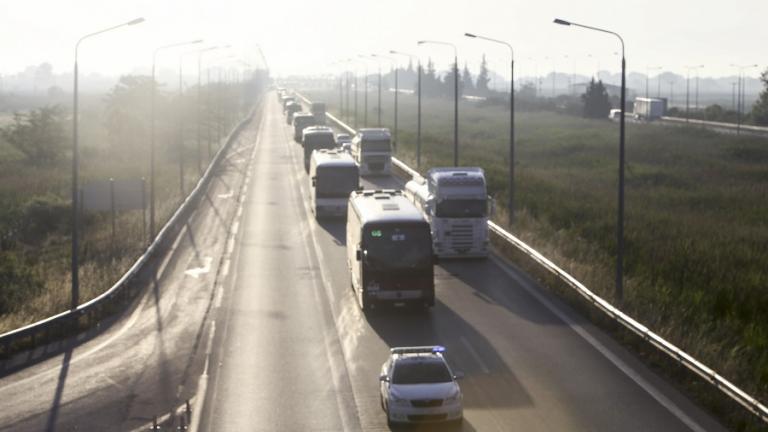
(461, 208)
(376, 146)
(397, 246)
(336, 182)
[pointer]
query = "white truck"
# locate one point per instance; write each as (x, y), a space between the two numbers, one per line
(455, 203)
(372, 150)
(649, 108)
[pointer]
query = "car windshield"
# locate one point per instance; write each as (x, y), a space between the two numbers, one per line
(398, 246)
(336, 182)
(376, 146)
(461, 208)
(421, 372)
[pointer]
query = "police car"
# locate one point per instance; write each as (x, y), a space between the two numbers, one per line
(418, 386)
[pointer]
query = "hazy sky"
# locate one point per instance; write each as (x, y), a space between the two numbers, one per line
(301, 36)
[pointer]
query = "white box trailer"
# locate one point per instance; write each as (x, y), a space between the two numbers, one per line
(455, 203)
(648, 108)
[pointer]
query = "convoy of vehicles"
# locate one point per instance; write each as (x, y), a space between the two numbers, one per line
(418, 386)
(389, 250)
(301, 120)
(456, 205)
(372, 150)
(333, 176)
(316, 138)
(392, 243)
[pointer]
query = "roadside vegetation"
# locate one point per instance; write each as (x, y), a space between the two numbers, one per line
(36, 179)
(696, 214)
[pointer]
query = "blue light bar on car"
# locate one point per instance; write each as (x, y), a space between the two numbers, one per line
(432, 349)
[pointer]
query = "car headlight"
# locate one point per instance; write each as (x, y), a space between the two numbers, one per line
(454, 397)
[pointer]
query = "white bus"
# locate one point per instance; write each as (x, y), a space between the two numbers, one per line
(456, 204)
(316, 138)
(333, 176)
(372, 150)
(389, 250)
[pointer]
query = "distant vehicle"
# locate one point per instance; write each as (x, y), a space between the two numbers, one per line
(372, 150)
(300, 121)
(286, 99)
(649, 108)
(418, 386)
(316, 138)
(318, 110)
(389, 250)
(280, 93)
(291, 108)
(333, 176)
(615, 114)
(456, 205)
(344, 142)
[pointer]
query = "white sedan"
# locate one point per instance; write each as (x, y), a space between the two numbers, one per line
(418, 386)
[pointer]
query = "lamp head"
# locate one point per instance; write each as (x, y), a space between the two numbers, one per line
(470, 35)
(393, 52)
(135, 21)
(561, 22)
(420, 42)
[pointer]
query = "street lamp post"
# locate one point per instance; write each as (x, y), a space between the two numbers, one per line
(418, 105)
(152, 135)
(741, 95)
(455, 96)
(648, 77)
(511, 204)
(620, 222)
(394, 64)
(75, 300)
(688, 91)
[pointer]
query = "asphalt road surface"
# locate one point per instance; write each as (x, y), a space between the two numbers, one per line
(254, 320)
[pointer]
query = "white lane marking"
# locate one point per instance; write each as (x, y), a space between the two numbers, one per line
(474, 354)
(196, 272)
(620, 364)
(230, 245)
(202, 382)
(219, 297)
(225, 268)
(235, 227)
(229, 194)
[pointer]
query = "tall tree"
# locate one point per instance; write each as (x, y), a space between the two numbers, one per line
(466, 81)
(483, 77)
(760, 108)
(596, 102)
(39, 135)
(449, 80)
(126, 120)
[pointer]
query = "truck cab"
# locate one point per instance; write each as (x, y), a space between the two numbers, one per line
(372, 150)
(455, 203)
(301, 120)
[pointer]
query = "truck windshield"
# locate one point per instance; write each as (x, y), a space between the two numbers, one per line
(317, 142)
(397, 246)
(376, 146)
(461, 208)
(336, 182)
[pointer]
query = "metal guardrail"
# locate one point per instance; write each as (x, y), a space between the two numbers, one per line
(122, 292)
(676, 354)
(731, 127)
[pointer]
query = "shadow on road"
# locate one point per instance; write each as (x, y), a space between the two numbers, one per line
(53, 414)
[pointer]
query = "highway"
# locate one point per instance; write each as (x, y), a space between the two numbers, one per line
(254, 320)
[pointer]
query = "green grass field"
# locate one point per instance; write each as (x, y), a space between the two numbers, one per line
(696, 215)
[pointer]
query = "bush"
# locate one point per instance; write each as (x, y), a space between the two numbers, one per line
(17, 282)
(42, 216)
